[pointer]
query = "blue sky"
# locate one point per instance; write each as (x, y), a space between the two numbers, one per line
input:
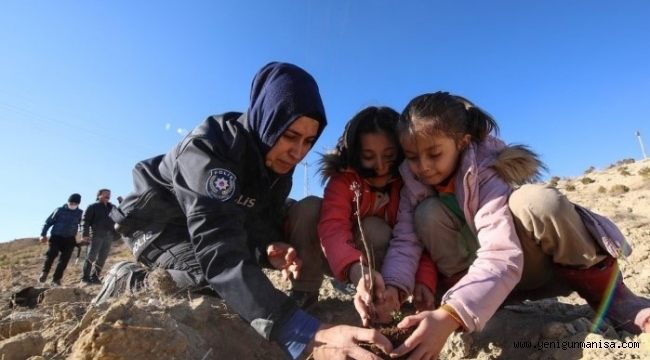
(87, 89)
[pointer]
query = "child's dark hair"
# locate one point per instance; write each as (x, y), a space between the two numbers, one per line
(371, 120)
(448, 114)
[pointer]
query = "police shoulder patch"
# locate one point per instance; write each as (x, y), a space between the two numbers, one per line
(221, 184)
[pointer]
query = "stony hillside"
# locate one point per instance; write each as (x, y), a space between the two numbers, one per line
(157, 325)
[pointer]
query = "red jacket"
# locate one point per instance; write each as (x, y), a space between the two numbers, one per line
(337, 219)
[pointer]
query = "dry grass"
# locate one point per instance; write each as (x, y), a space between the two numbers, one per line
(22, 252)
(587, 180)
(644, 171)
(622, 162)
(619, 189)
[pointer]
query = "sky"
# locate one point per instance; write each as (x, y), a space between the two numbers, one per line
(88, 89)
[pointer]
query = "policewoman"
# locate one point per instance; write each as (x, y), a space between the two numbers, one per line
(213, 211)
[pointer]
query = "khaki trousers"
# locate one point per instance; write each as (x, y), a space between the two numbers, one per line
(303, 217)
(302, 233)
(546, 222)
(377, 233)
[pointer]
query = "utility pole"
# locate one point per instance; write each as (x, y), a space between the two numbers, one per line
(638, 136)
(306, 179)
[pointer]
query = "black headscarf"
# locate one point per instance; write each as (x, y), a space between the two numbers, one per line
(280, 94)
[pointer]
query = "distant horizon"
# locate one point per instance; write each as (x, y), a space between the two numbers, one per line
(89, 89)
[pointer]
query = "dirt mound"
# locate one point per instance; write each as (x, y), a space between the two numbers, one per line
(185, 329)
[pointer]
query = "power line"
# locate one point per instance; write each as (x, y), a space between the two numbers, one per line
(42, 119)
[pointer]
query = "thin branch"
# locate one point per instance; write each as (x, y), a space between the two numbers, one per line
(370, 256)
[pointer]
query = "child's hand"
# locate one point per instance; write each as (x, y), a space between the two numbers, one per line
(433, 329)
(363, 301)
(284, 257)
(391, 303)
(422, 298)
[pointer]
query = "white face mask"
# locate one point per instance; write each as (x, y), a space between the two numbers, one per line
(72, 206)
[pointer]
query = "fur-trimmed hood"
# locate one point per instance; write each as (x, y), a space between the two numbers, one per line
(518, 165)
(330, 165)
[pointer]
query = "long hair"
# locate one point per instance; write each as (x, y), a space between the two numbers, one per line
(371, 120)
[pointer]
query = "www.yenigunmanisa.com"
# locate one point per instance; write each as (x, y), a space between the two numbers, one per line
(566, 345)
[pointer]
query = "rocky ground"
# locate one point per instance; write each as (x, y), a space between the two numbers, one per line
(156, 325)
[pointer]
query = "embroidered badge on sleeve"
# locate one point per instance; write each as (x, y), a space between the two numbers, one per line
(221, 184)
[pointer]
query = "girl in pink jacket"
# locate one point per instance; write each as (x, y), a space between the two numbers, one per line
(465, 201)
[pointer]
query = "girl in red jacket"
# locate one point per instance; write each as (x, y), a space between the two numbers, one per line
(362, 177)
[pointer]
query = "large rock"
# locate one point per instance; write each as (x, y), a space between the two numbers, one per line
(22, 346)
(19, 322)
(64, 295)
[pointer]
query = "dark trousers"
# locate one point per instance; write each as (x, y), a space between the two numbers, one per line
(179, 259)
(58, 245)
(96, 254)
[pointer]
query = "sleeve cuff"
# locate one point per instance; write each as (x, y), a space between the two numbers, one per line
(297, 333)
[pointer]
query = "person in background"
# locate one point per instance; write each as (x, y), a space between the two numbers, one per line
(98, 232)
(64, 222)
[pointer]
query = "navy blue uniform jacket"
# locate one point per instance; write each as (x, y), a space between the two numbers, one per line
(215, 183)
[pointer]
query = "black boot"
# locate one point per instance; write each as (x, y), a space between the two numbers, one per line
(49, 259)
(124, 277)
(95, 280)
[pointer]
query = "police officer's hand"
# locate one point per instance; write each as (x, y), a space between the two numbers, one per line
(85, 240)
(284, 257)
(43, 239)
(342, 342)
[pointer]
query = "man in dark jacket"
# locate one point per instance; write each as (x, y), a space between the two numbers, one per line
(212, 212)
(64, 222)
(98, 232)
